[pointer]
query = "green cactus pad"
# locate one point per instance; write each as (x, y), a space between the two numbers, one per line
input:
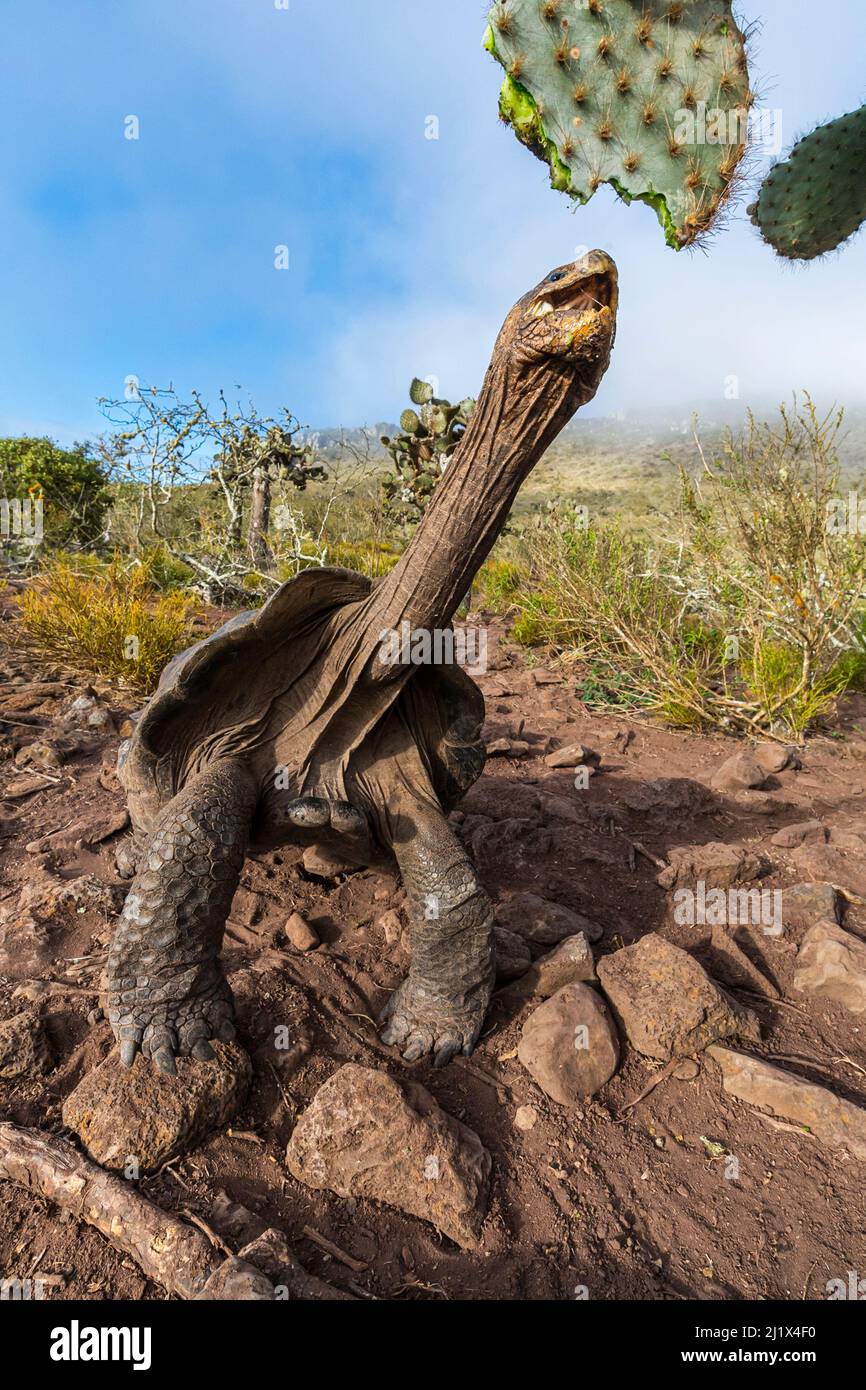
(816, 199)
(649, 96)
(410, 422)
(420, 392)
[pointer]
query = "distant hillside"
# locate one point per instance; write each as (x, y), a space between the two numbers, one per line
(628, 463)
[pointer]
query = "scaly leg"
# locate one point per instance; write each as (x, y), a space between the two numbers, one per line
(440, 1007)
(166, 991)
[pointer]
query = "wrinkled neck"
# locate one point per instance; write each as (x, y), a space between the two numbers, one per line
(519, 413)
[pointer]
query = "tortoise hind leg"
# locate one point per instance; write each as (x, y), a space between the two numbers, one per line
(440, 1007)
(166, 991)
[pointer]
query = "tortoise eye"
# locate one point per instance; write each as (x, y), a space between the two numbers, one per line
(557, 275)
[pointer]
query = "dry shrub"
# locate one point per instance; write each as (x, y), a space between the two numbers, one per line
(103, 621)
(750, 620)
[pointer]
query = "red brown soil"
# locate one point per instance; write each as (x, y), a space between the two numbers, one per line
(629, 1203)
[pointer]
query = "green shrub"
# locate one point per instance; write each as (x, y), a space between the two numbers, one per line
(71, 483)
(500, 580)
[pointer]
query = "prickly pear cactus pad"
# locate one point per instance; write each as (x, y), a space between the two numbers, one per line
(649, 96)
(816, 198)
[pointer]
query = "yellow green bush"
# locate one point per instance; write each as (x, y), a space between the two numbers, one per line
(749, 619)
(105, 621)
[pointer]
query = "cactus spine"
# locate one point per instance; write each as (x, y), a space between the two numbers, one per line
(649, 96)
(815, 200)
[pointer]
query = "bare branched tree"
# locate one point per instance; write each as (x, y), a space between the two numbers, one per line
(163, 444)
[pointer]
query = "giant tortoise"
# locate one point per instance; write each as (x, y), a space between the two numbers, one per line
(289, 726)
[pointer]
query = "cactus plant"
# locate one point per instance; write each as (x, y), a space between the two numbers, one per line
(649, 96)
(422, 451)
(816, 198)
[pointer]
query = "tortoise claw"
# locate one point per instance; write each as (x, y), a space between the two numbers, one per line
(165, 1061)
(420, 1031)
(446, 1051)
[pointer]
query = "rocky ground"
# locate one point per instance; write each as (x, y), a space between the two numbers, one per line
(656, 1109)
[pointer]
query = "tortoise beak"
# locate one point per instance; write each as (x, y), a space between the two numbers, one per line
(591, 283)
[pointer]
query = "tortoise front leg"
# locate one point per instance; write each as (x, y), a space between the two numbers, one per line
(166, 991)
(440, 1006)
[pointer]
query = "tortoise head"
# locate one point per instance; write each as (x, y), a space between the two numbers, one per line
(567, 323)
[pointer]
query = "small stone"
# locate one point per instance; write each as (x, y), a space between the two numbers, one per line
(100, 720)
(570, 962)
(810, 832)
(299, 932)
(573, 755)
(807, 903)
(525, 1117)
(666, 1002)
(716, 865)
(832, 962)
(389, 922)
(543, 922)
(513, 957)
(367, 1135)
(569, 1045)
(774, 757)
(139, 1115)
(39, 754)
(23, 1046)
(81, 708)
(739, 773)
(508, 748)
(825, 1116)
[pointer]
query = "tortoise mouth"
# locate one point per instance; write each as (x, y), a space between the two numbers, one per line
(590, 293)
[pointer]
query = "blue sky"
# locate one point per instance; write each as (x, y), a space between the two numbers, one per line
(305, 127)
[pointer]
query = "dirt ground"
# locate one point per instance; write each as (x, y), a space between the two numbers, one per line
(624, 1203)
